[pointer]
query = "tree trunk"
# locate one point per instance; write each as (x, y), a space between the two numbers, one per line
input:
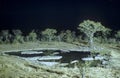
(92, 46)
(59, 39)
(50, 38)
(91, 42)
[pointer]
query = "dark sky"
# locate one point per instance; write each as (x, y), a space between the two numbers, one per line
(59, 14)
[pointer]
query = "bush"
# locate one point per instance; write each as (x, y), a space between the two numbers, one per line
(32, 36)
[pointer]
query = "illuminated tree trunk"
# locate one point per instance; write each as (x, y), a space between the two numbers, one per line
(50, 38)
(59, 39)
(92, 46)
(91, 42)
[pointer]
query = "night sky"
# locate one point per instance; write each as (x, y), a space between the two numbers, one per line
(60, 14)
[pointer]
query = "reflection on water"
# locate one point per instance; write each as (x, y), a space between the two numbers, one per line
(71, 56)
(67, 57)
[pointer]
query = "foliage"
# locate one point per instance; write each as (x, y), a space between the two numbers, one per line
(32, 36)
(90, 28)
(81, 67)
(18, 38)
(5, 36)
(61, 36)
(67, 36)
(17, 32)
(103, 37)
(49, 34)
(117, 35)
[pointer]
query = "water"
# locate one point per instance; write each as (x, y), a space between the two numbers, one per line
(67, 57)
(71, 56)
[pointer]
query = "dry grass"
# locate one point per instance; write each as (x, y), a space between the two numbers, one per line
(14, 67)
(37, 45)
